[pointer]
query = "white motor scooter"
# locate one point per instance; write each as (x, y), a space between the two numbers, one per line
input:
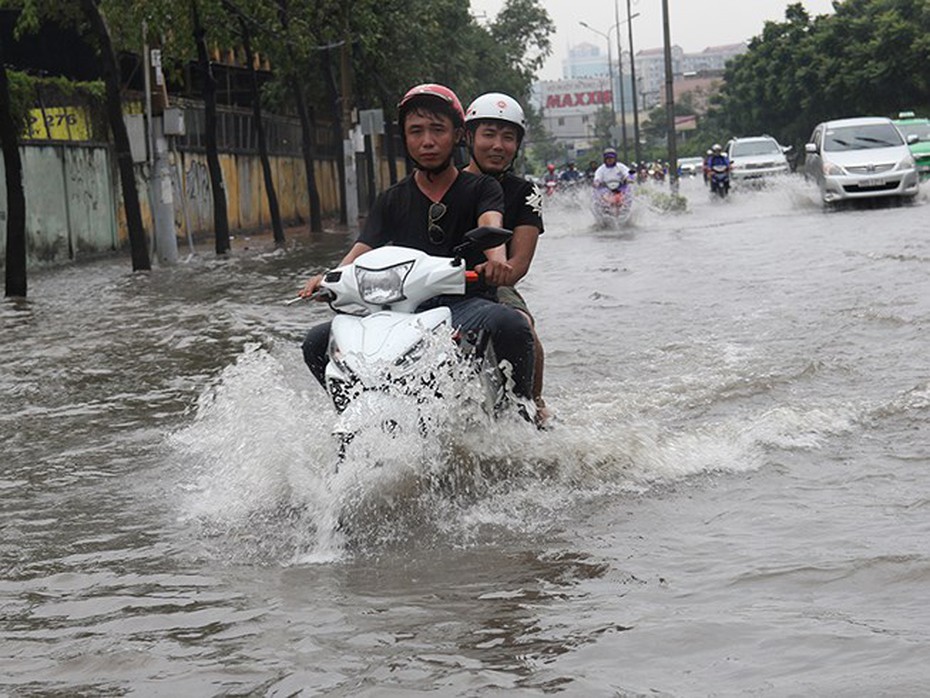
(386, 359)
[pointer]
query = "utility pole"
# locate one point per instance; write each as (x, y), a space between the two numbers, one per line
(348, 143)
(626, 154)
(160, 192)
(629, 24)
(670, 101)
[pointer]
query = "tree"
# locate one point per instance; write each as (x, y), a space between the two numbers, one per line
(15, 196)
(869, 57)
(245, 36)
(175, 23)
(217, 186)
(307, 121)
(100, 35)
(87, 17)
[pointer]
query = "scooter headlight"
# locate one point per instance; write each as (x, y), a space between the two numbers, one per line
(382, 286)
(337, 357)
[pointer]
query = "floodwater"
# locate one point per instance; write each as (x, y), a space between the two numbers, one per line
(734, 500)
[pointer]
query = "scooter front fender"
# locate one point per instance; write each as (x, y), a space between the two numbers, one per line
(368, 350)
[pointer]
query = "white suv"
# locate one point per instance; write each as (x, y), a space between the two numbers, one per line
(756, 157)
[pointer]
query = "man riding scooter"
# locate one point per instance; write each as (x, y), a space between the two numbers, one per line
(718, 166)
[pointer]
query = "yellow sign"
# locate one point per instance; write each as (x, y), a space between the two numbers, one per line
(59, 124)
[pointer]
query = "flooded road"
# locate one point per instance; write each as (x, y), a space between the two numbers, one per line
(734, 499)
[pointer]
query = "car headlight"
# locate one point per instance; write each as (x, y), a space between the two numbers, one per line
(382, 286)
(830, 168)
(907, 163)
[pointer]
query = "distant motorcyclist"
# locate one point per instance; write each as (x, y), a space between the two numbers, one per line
(718, 166)
(550, 180)
(570, 175)
(592, 168)
(551, 175)
(611, 171)
(717, 157)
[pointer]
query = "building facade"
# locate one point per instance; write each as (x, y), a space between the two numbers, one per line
(569, 106)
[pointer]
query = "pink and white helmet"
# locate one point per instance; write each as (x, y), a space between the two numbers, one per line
(431, 89)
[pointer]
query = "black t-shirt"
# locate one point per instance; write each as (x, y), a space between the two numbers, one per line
(400, 215)
(522, 202)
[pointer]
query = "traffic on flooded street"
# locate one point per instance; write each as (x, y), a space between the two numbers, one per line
(485, 348)
(740, 396)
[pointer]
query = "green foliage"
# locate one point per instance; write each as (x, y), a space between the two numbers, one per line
(32, 13)
(24, 88)
(870, 58)
(22, 93)
(390, 44)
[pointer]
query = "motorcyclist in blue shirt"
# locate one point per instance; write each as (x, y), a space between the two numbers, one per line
(718, 157)
(570, 175)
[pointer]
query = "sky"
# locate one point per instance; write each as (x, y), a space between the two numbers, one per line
(694, 24)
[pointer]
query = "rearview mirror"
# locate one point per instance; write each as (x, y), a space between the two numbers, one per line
(810, 148)
(486, 237)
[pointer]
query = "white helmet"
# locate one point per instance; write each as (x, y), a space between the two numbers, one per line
(496, 106)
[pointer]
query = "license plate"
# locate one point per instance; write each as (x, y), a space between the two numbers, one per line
(874, 182)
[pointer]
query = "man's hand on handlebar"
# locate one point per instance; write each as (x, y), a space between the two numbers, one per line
(311, 287)
(495, 272)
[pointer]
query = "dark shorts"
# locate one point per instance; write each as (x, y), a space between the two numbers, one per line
(509, 296)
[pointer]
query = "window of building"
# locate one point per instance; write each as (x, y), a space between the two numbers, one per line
(561, 121)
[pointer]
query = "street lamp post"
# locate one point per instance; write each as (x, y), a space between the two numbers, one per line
(620, 79)
(626, 152)
(627, 21)
(610, 72)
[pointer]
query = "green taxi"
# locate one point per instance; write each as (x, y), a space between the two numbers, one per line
(910, 126)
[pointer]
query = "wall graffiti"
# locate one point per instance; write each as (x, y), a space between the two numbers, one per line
(198, 195)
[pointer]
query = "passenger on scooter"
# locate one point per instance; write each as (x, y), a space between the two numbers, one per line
(431, 210)
(611, 171)
(706, 166)
(495, 126)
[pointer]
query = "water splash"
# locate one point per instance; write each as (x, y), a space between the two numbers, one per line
(265, 483)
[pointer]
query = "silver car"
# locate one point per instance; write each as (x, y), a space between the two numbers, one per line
(691, 167)
(756, 158)
(859, 158)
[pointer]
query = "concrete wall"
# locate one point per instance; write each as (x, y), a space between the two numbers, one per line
(246, 200)
(70, 210)
(74, 203)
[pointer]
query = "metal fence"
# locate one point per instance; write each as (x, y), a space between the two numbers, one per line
(235, 133)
